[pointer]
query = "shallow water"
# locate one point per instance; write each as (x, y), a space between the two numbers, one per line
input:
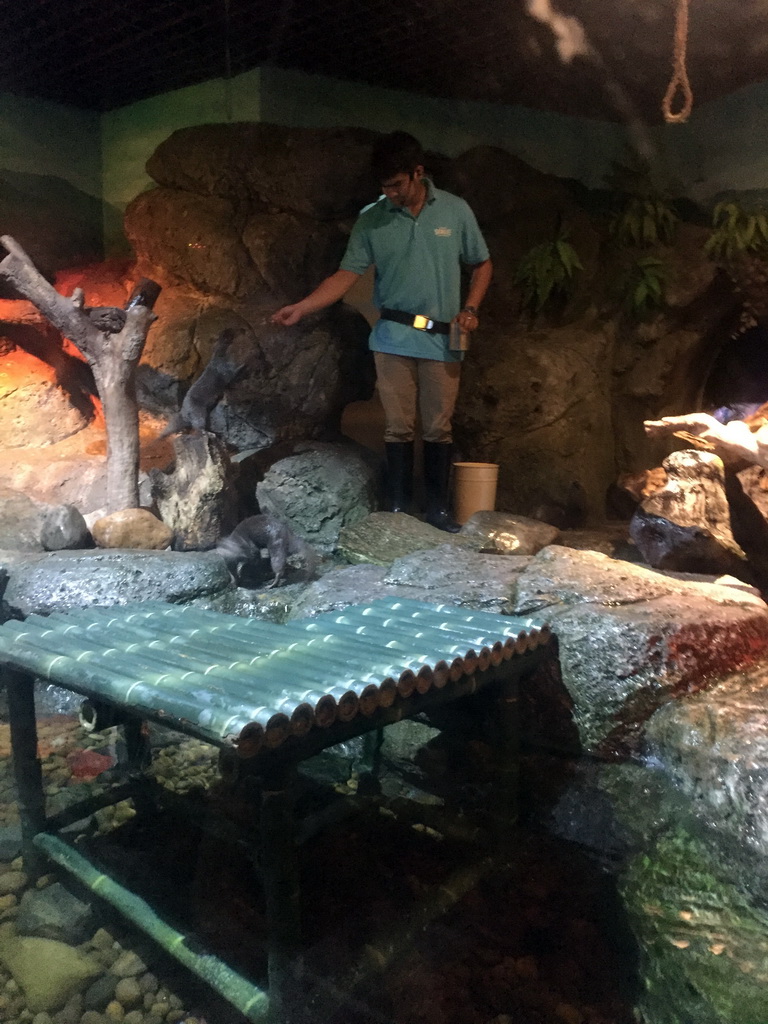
(412, 911)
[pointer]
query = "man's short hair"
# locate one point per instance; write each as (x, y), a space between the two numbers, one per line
(396, 153)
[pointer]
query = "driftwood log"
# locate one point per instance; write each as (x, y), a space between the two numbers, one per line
(736, 442)
(197, 499)
(112, 342)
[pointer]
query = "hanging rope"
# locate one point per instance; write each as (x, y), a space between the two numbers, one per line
(680, 75)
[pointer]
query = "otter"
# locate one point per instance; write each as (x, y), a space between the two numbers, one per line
(206, 391)
(250, 537)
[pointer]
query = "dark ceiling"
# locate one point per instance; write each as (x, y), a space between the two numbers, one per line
(102, 54)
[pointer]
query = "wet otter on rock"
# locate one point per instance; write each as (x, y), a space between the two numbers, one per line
(257, 533)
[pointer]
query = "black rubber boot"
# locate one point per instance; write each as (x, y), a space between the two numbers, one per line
(399, 485)
(437, 476)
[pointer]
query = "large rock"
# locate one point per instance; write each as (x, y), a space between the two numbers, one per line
(511, 535)
(703, 942)
(444, 573)
(64, 475)
(320, 490)
(552, 437)
(320, 172)
(296, 383)
(19, 522)
(715, 745)
(686, 524)
(384, 536)
(631, 639)
(34, 409)
(183, 238)
(196, 499)
(29, 525)
(498, 185)
(67, 970)
(58, 224)
(57, 581)
(354, 584)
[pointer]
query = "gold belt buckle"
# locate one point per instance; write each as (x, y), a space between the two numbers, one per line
(422, 323)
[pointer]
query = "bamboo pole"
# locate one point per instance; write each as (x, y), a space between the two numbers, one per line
(358, 676)
(252, 1001)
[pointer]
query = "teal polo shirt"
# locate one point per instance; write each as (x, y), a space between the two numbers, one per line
(418, 267)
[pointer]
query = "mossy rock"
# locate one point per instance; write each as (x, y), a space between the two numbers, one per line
(704, 946)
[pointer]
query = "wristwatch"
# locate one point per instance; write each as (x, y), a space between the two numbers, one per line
(470, 309)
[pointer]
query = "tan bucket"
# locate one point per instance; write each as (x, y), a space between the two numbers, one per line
(474, 488)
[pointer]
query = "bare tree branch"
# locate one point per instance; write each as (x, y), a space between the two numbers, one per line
(734, 441)
(113, 356)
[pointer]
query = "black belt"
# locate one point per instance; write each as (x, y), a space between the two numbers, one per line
(421, 323)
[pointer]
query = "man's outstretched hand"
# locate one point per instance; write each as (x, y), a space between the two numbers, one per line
(288, 315)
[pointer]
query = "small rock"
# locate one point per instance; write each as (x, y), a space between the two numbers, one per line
(71, 1012)
(92, 1017)
(12, 882)
(128, 993)
(55, 913)
(101, 992)
(149, 983)
(102, 939)
(10, 842)
(114, 1012)
(128, 965)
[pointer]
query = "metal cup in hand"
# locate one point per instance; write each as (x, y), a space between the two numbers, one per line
(458, 338)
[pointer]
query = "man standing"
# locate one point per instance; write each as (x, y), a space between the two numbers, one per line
(417, 237)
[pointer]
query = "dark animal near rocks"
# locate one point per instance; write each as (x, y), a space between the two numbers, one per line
(253, 535)
(205, 392)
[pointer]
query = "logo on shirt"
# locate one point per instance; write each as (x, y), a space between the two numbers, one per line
(443, 232)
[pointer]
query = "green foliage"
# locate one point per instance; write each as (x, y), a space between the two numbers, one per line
(643, 284)
(736, 230)
(644, 222)
(644, 213)
(546, 272)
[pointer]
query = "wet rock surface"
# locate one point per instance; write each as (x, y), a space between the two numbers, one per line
(715, 744)
(630, 639)
(665, 670)
(384, 536)
(509, 535)
(57, 581)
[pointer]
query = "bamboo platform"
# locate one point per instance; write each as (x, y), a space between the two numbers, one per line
(269, 697)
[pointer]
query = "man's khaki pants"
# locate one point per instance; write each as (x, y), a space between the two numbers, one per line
(407, 385)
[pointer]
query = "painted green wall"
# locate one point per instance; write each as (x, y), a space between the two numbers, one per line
(47, 149)
(129, 135)
(50, 181)
(724, 145)
(570, 147)
(42, 138)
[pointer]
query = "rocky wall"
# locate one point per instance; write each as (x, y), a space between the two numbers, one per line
(245, 217)
(249, 216)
